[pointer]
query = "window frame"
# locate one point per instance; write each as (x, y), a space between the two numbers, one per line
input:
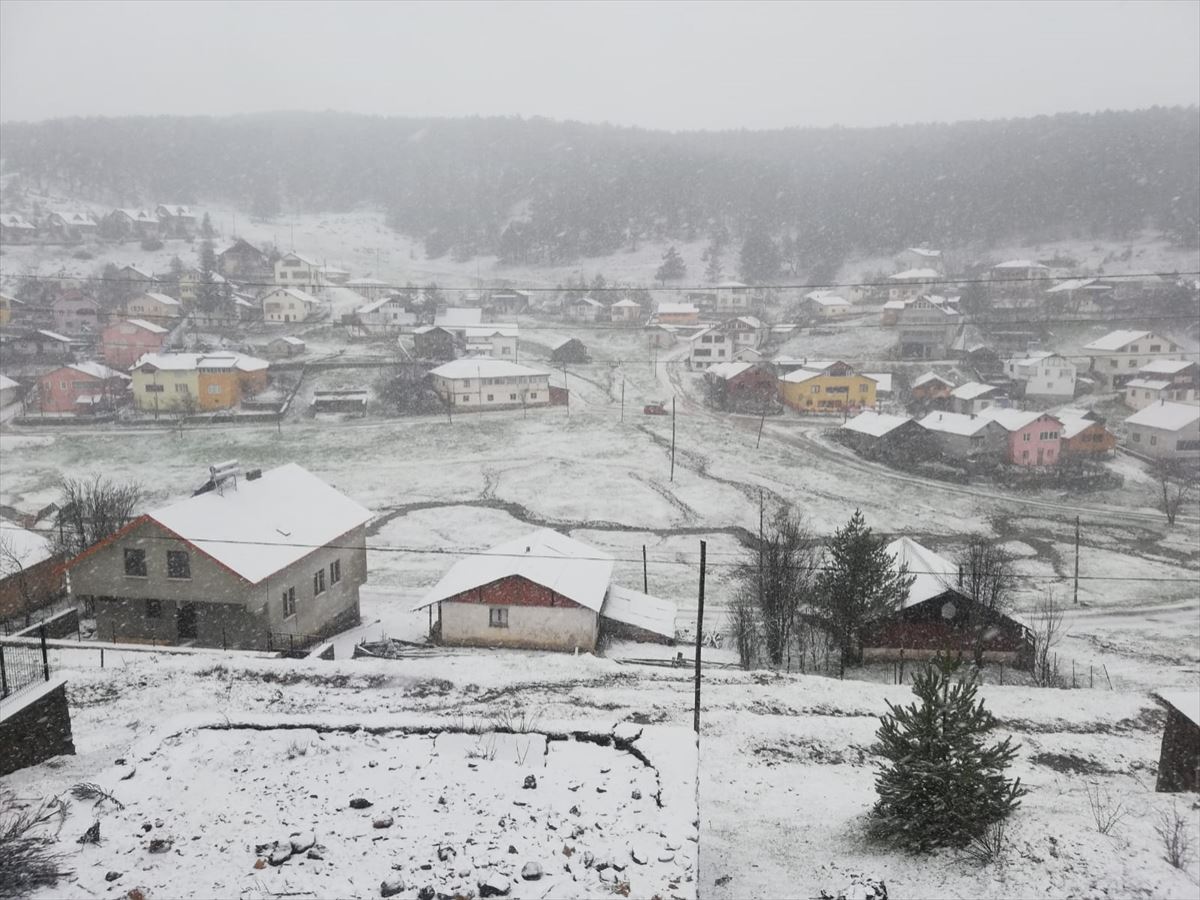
(497, 617)
(187, 565)
(132, 553)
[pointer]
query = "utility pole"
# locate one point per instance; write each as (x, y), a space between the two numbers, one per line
(762, 421)
(645, 573)
(622, 398)
(699, 636)
(1077, 560)
(566, 388)
(672, 439)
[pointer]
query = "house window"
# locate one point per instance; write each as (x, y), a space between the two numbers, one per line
(505, 351)
(154, 389)
(1137, 437)
(318, 582)
(1133, 364)
(533, 396)
(135, 563)
(466, 398)
(489, 396)
(862, 388)
(179, 565)
(1112, 364)
(816, 389)
(335, 571)
(1184, 446)
(62, 385)
(1153, 440)
(181, 388)
(1156, 348)
(498, 617)
(214, 389)
(512, 396)
(1025, 438)
(289, 602)
(153, 608)
(1024, 454)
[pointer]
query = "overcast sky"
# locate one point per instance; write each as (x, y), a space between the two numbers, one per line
(670, 65)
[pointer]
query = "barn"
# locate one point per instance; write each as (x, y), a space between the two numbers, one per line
(544, 591)
(938, 619)
(1179, 760)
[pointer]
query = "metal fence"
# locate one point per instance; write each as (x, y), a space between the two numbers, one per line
(291, 644)
(22, 665)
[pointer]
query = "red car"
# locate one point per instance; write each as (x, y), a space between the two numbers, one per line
(654, 409)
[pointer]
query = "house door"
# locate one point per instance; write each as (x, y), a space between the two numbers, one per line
(1041, 453)
(185, 622)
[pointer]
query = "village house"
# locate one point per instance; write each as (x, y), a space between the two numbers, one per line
(370, 288)
(285, 346)
(869, 431)
(883, 384)
(659, 337)
(176, 220)
(584, 309)
(626, 312)
(911, 283)
(544, 591)
(10, 391)
(243, 262)
(1173, 380)
(71, 226)
(76, 314)
(250, 561)
(974, 397)
(469, 384)
(82, 389)
(433, 342)
(508, 302)
(569, 350)
(195, 382)
(31, 576)
(826, 306)
(191, 280)
(154, 307)
(966, 437)
(132, 224)
(676, 314)
(938, 619)
(1166, 431)
(1018, 277)
(386, 315)
(927, 326)
(741, 386)
(1084, 435)
(747, 332)
(1034, 438)
(916, 257)
(1045, 374)
(826, 386)
(246, 308)
(41, 343)
(10, 308)
(1179, 755)
(135, 279)
(733, 297)
(710, 346)
(15, 230)
(494, 340)
(292, 270)
(288, 304)
(1116, 357)
(1081, 295)
(125, 341)
(890, 314)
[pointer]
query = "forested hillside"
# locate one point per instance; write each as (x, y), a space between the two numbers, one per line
(534, 190)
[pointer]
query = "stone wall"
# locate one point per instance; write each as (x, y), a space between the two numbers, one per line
(35, 724)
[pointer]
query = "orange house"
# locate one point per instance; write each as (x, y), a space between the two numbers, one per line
(1086, 437)
(223, 380)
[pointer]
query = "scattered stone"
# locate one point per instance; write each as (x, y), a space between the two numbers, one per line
(303, 841)
(666, 856)
(146, 826)
(530, 782)
(120, 761)
(158, 823)
(589, 858)
(372, 764)
(316, 853)
(605, 771)
(512, 849)
(160, 845)
(135, 894)
(382, 822)
(426, 893)
(446, 854)
(112, 876)
(260, 863)
(639, 855)
(441, 801)
(280, 854)
(607, 875)
(636, 795)
(531, 871)
(495, 886)
(92, 835)
(574, 810)
(361, 803)
(859, 889)
(389, 887)
(574, 786)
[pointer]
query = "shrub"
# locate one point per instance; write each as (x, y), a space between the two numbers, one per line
(152, 244)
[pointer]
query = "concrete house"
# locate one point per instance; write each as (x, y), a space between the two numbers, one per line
(285, 346)
(930, 387)
(508, 302)
(125, 341)
(747, 332)
(177, 220)
(243, 262)
(16, 230)
(299, 273)
(479, 383)
(30, 574)
(711, 346)
(741, 386)
(1044, 374)
(677, 314)
(827, 306)
(76, 314)
(42, 343)
(249, 561)
(826, 386)
(1116, 357)
(966, 437)
(911, 283)
(83, 388)
(494, 340)
(133, 224)
(584, 309)
(456, 319)
(288, 304)
(386, 315)
(195, 382)
(1167, 431)
(544, 591)
(974, 397)
(1173, 380)
(626, 312)
(1084, 435)
(917, 257)
(733, 297)
(71, 226)
(927, 325)
(154, 307)
(1034, 438)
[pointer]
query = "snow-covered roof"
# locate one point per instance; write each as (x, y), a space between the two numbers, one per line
(1165, 367)
(677, 309)
(830, 300)
(1149, 384)
(1116, 340)
(1035, 356)
(727, 370)
(932, 574)
(586, 301)
(653, 614)
(752, 321)
(731, 285)
(955, 423)
(177, 210)
(931, 376)
(1187, 702)
(489, 330)
(922, 251)
(264, 525)
(288, 339)
(883, 381)
(875, 424)
(1076, 284)
(139, 215)
(21, 548)
(6, 383)
(916, 275)
(566, 566)
(459, 315)
(1073, 425)
(138, 271)
(1013, 419)
(295, 294)
(1166, 416)
(96, 370)
(483, 367)
(12, 221)
(147, 326)
(972, 390)
(162, 298)
(301, 258)
(626, 303)
(895, 304)
(378, 304)
(186, 362)
(53, 335)
(1019, 264)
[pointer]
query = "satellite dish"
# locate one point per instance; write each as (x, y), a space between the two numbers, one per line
(948, 610)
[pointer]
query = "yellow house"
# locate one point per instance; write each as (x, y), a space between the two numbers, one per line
(7, 308)
(165, 383)
(826, 387)
(156, 308)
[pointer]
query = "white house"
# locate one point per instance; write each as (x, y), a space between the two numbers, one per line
(733, 297)
(626, 312)
(747, 332)
(299, 272)
(288, 304)
(1164, 430)
(455, 319)
(542, 591)
(384, 316)
(1045, 374)
(370, 288)
(827, 306)
(972, 398)
(710, 346)
(1173, 380)
(911, 283)
(919, 257)
(495, 340)
(584, 309)
(472, 383)
(1116, 357)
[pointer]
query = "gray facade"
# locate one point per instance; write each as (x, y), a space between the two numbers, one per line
(213, 606)
(528, 627)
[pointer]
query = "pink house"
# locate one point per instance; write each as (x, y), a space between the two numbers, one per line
(123, 343)
(81, 387)
(76, 314)
(1034, 438)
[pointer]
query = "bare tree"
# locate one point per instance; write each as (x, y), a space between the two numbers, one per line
(1048, 632)
(92, 510)
(743, 623)
(986, 574)
(1178, 483)
(12, 567)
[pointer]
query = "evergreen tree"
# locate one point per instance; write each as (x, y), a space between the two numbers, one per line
(208, 292)
(860, 582)
(941, 785)
(760, 256)
(672, 268)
